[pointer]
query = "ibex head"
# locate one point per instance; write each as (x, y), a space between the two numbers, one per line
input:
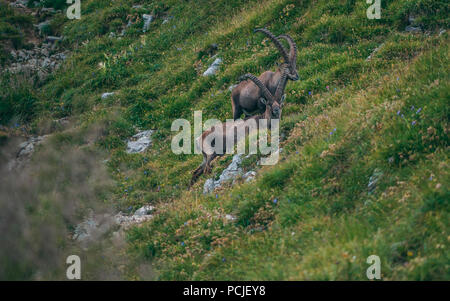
(290, 58)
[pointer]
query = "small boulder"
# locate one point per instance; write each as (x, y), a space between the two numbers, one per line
(374, 179)
(212, 70)
(147, 20)
(139, 142)
(107, 94)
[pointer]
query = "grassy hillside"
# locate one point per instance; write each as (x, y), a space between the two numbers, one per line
(347, 120)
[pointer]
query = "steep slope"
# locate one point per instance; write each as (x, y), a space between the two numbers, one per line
(364, 166)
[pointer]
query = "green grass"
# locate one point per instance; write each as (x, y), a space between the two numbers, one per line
(324, 223)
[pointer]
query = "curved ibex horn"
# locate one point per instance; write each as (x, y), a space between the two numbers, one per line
(281, 85)
(276, 42)
(292, 48)
(260, 85)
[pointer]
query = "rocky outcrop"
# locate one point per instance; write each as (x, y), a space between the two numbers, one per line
(44, 58)
(40, 60)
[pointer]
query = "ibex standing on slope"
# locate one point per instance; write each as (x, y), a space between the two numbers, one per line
(246, 97)
(273, 104)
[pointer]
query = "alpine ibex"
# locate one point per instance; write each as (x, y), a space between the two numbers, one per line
(273, 105)
(246, 97)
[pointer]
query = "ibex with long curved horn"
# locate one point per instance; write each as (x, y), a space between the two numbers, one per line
(246, 97)
(273, 105)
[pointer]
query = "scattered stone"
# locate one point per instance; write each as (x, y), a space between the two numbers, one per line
(107, 94)
(374, 52)
(212, 70)
(374, 179)
(230, 217)
(141, 215)
(441, 32)
(147, 20)
(139, 142)
(50, 10)
(413, 29)
(53, 39)
(249, 176)
(145, 210)
(167, 19)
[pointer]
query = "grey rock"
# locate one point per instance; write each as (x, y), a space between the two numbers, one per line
(147, 20)
(230, 217)
(249, 176)
(48, 10)
(139, 142)
(413, 29)
(145, 210)
(228, 174)
(208, 186)
(107, 94)
(53, 39)
(212, 70)
(374, 52)
(374, 179)
(141, 215)
(167, 19)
